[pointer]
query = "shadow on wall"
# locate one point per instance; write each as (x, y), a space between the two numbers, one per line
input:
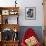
(37, 29)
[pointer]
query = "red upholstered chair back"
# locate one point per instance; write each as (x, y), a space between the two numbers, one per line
(29, 33)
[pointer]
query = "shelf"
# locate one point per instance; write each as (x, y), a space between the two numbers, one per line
(9, 19)
(11, 41)
(9, 22)
(5, 12)
(10, 26)
(4, 8)
(8, 10)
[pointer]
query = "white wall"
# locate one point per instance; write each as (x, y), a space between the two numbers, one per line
(27, 3)
(7, 3)
(39, 12)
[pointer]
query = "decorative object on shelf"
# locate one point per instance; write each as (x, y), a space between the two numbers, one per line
(15, 37)
(15, 29)
(13, 12)
(7, 34)
(5, 12)
(15, 34)
(30, 13)
(6, 21)
(15, 3)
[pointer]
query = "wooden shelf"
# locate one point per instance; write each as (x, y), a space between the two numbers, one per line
(9, 43)
(4, 13)
(11, 26)
(5, 8)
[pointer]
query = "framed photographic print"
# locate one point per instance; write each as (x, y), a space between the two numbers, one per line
(5, 12)
(30, 13)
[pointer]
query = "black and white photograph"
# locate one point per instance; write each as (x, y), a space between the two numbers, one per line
(30, 13)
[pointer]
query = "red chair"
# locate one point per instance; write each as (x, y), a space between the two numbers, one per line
(29, 33)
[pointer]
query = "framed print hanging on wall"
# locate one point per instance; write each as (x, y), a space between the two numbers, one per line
(30, 13)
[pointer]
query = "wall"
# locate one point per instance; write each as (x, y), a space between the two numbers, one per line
(23, 4)
(39, 13)
(7, 3)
